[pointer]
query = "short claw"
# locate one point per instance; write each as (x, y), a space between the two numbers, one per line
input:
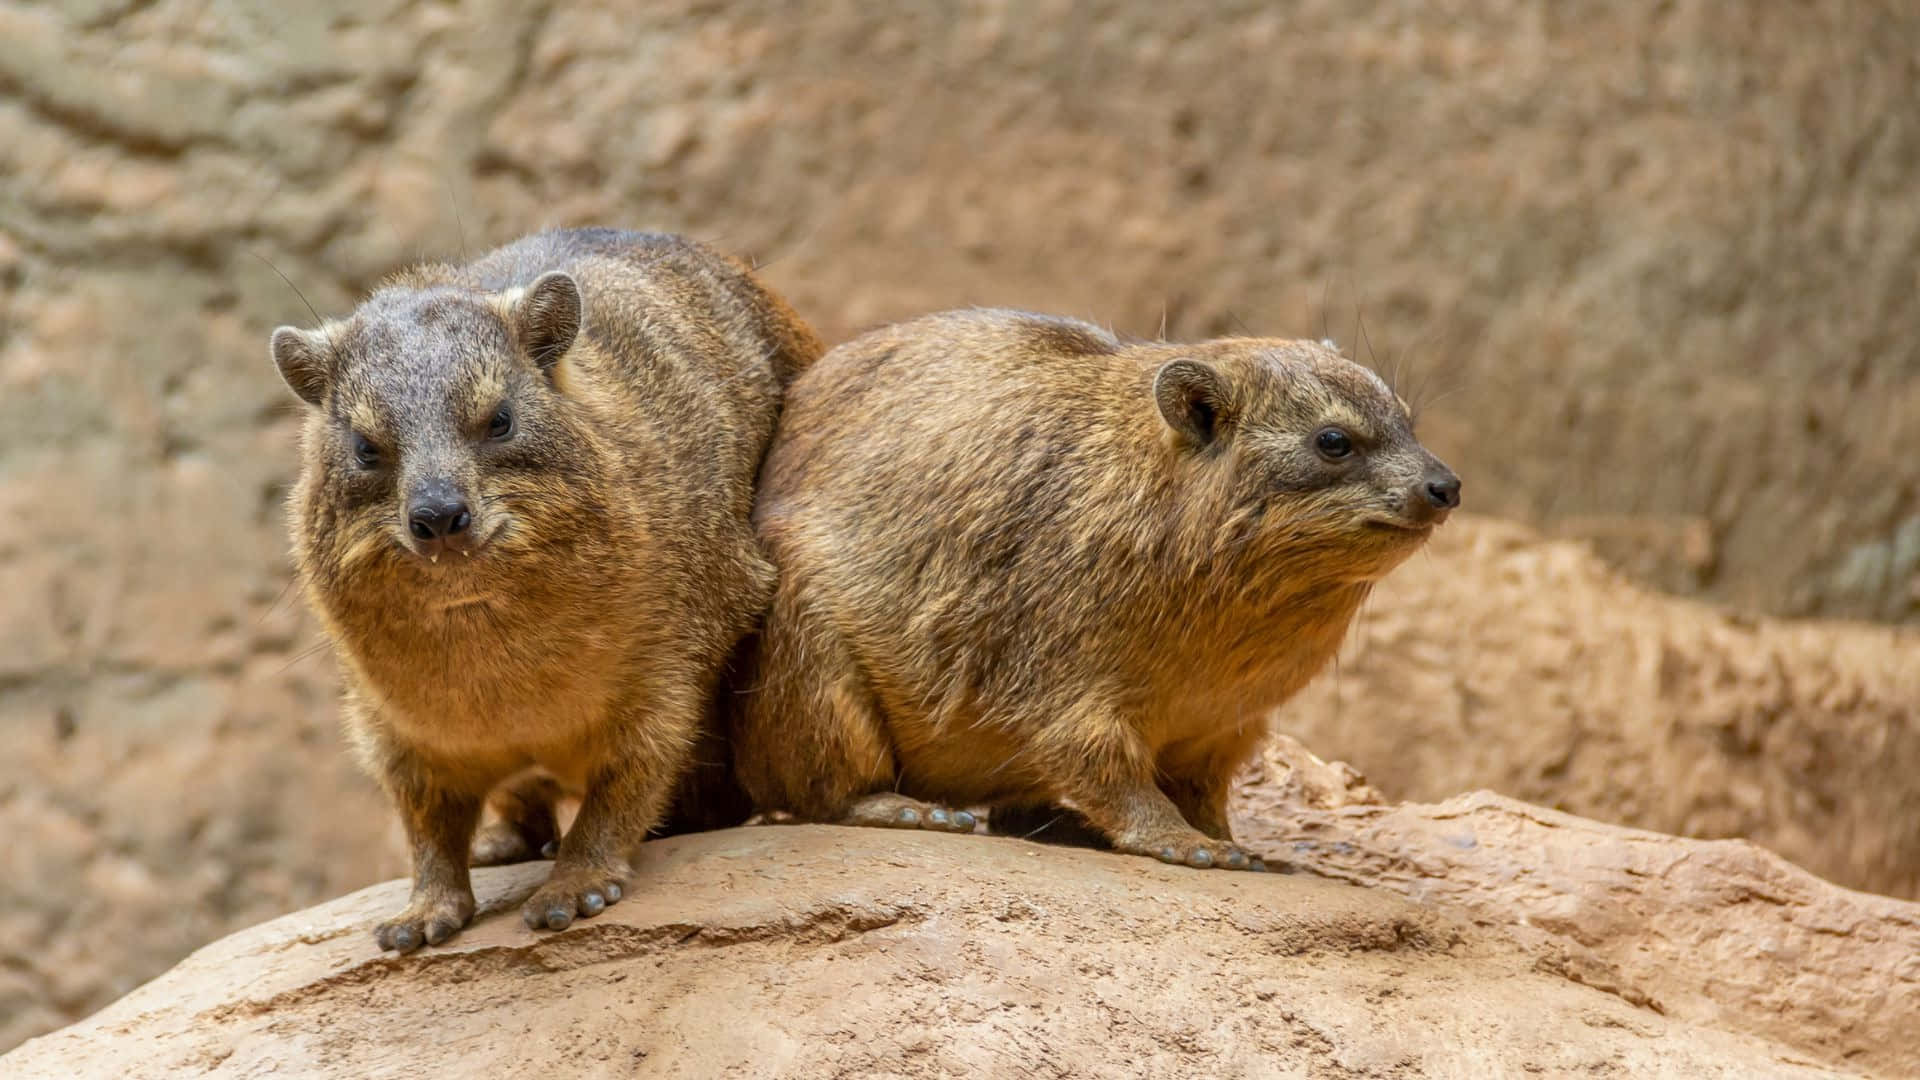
(1196, 850)
(579, 893)
(425, 922)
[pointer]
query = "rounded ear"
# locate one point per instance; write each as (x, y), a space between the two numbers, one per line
(1192, 399)
(305, 360)
(547, 318)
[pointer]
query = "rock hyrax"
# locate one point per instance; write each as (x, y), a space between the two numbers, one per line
(523, 518)
(1024, 565)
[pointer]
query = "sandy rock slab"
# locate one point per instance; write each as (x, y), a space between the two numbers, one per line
(1720, 932)
(818, 951)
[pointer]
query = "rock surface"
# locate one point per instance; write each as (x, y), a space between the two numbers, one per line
(817, 951)
(1723, 933)
(1496, 660)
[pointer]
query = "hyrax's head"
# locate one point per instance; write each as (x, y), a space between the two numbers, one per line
(1321, 467)
(439, 441)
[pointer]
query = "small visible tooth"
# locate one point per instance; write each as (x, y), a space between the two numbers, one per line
(434, 558)
(465, 554)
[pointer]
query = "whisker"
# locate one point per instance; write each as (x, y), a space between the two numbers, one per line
(305, 654)
(317, 320)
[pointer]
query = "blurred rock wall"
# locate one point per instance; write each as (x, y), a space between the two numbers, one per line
(1651, 267)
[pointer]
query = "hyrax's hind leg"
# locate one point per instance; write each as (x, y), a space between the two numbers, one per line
(1199, 778)
(1100, 765)
(809, 741)
(528, 828)
(890, 810)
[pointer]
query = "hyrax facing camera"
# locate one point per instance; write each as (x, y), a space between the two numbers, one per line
(1027, 566)
(522, 516)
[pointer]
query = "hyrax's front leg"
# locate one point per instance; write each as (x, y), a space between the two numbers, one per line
(1104, 769)
(439, 816)
(627, 792)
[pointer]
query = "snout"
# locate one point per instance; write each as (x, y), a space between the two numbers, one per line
(1434, 496)
(438, 520)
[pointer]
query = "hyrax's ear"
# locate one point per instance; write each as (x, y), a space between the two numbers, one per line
(547, 318)
(305, 360)
(1192, 399)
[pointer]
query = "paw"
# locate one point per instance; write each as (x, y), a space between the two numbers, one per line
(580, 891)
(500, 844)
(1198, 851)
(428, 920)
(889, 810)
(932, 818)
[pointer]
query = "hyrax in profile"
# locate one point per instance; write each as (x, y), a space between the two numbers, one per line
(1025, 565)
(523, 518)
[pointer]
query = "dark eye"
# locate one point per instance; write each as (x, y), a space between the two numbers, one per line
(501, 425)
(1333, 443)
(365, 453)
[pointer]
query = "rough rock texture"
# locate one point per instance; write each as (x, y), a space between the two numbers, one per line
(1496, 660)
(1718, 932)
(816, 951)
(1653, 263)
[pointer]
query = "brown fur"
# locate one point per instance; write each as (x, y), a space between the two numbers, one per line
(579, 644)
(1025, 565)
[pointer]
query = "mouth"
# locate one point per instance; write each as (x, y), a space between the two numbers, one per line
(435, 550)
(1410, 528)
(465, 602)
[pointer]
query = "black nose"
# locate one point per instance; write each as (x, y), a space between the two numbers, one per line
(436, 517)
(1444, 493)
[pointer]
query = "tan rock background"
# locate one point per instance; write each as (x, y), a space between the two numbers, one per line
(1652, 267)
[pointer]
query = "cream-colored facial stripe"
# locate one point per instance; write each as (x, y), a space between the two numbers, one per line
(1339, 414)
(503, 304)
(364, 419)
(483, 397)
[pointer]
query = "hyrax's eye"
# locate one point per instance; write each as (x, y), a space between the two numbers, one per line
(501, 425)
(365, 454)
(1333, 443)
